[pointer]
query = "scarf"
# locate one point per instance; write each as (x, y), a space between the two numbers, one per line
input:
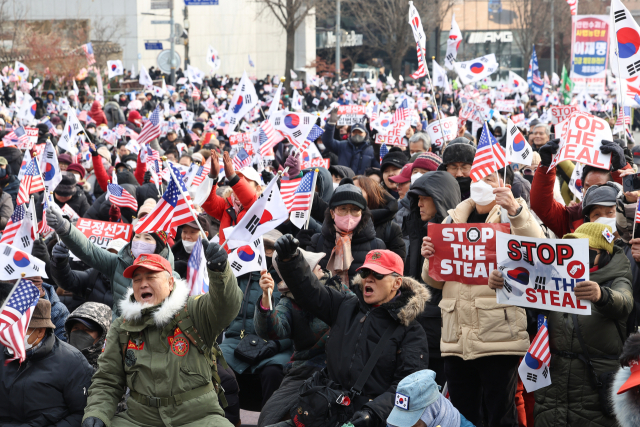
(237, 206)
(341, 258)
(441, 413)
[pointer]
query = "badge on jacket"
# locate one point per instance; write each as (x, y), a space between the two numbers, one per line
(180, 346)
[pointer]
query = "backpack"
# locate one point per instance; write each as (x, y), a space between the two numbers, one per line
(212, 354)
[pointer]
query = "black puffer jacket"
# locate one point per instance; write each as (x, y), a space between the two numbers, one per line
(363, 240)
(357, 327)
(48, 389)
(100, 208)
(180, 259)
(387, 229)
(78, 203)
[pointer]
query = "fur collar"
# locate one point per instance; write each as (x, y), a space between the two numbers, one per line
(408, 306)
(132, 310)
(626, 407)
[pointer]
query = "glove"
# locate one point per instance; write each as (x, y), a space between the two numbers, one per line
(304, 237)
(617, 154)
(548, 150)
(114, 214)
(92, 422)
(333, 116)
(266, 176)
(364, 418)
(56, 221)
(271, 349)
(287, 247)
(60, 252)
(216, 257)
(293, 163)
(40, 251)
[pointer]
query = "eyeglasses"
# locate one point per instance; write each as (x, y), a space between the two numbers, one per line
(366, 272)
(464, 169)
(343, 210)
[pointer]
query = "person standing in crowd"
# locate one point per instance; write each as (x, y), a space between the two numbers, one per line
(457, 159)
(419, 143)
(539, 136)
(356, 152)
(391, 166)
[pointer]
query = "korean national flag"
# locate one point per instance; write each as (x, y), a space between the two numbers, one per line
(518, 149)
(14, 262)
(21, 70)
(115, 68)
(402, 401)
(476, 69)
(244, 99)
(248, 258)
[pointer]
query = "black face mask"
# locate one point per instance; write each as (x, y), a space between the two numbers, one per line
(528, 178)
(603, 261)
(80, 340)
(269, 263)
(464, 182)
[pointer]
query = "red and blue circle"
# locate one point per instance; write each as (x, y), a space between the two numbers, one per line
(49, 172)
(385, 123)
(21, 259)
(518, 142)
(291, 121)
(477, 67)
(305, 156)
(246, 254)
(628, 42)
(520, 275)
(23, 166)
(516, 83)
(238, 106)
(21, 69)
(114, 67)
(532, 362)
(33, 109)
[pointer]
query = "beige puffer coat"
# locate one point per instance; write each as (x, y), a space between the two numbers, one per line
(473, 324)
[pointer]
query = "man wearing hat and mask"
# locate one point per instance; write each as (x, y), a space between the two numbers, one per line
(66, 193)
(356, 152)
(50, 387)
(189, 237)
(163, 348)
(457, 159)
(87, 329)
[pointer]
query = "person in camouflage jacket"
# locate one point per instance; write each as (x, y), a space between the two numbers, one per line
(93, 316)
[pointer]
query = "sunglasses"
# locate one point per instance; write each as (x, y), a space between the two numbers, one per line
(366, 272)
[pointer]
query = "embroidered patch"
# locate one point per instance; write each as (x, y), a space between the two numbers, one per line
(180, 346)
(170, 338)
(402, 401)
(375, 256)
(104, 345)
(133, 346)
(607, 235)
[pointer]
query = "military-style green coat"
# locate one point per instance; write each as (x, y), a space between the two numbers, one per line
(160, 361)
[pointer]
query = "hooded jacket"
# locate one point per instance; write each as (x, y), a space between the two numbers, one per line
(363, 240)
(78, 202)
(160, 360)
(357, 327)
(571, 399)
(97, 114)
(47, 389)
(96, 312)
(386, 228)
(473, 324)
(357, 157)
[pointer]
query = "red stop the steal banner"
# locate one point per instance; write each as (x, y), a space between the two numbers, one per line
(464, 253)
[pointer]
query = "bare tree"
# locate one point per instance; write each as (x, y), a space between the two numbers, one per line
(289, 14)
(532, 18)
(438, 9)
(106, 36)
(12, 33)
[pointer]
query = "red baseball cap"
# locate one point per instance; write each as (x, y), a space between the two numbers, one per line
(634, 379)
(404, 175)
(383, 261)
(149, 261)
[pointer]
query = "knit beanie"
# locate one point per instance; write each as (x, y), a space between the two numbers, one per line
(595, 232)
(347, 193)
(428, 161)
(146, 207)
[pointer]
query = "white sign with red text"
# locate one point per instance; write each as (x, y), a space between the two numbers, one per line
(395, 135)
(443, 130)
(581, 136)
(349, 115)
(561, 113)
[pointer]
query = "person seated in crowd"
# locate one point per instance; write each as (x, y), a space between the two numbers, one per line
(68, 193)
(169, 358)
(457, 159)
(188, 239)
(87, 328)
(383, 299)
(347, 232)
(420, 404)
(50, 387)
(584, 347)
(481, 366)
(289, 321)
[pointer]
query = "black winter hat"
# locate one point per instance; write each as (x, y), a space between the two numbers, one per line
(394, 158)
(458, 152)
(347, 194)
(67, 185)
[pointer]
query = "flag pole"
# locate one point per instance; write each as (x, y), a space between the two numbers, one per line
(34, 220)
(621, 105)
(313, 186)
(433, 93)
(634, 220)
(193, 214)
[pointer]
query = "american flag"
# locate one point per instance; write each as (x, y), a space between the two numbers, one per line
(241, 159)
(201, 173)
(31, 182)
(374, 112)
(383, 151)
(14, 224)
(23, 138)
(537, 80)
(297, 193)
(539, 347)
(151, 128)
(195, 92)
(402, 112)
(485, 162)
(637, 216)
(268, 137)
(625, 117)
(197, 270)
(172, 210)
(148, 154)
(88, 51)
(422, 69)
(194, 136)
(15, 318)
(315, 133)
(11, 138)
(43, 227)
(52, 128)
(121, 197)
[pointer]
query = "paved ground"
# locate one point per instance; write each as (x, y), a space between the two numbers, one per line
(249, 418)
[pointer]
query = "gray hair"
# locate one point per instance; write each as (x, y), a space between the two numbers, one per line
(547, 129)
(421, 136)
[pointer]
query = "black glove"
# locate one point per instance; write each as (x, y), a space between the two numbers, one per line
(617, 154)
(92, 422)
(60, 251)
(286, 247)
(548, 150)
(40, 251)
(266, 176)
(271, 349)
(216, 257)
(333, 116)
(364, 418)
(304, 237)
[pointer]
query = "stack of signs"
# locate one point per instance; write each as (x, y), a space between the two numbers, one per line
(542, 273)
(581, 136)
(349, 115)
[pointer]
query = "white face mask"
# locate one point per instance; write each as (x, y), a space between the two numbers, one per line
(482, 193)
(188, 246)
(139, 248)
(27, 346)
(132, 164)
(78, 179)
(611, 222)
(335, 185)
(415, 177)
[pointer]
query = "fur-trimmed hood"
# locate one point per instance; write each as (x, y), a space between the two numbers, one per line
(163, 313)
(626, 406)
(408, 306)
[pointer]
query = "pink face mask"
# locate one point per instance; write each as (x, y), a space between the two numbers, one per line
(347, 223)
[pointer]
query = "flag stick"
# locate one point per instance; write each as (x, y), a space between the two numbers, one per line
(435, 103)
(193, 214)
(504, 179)
(634, 221)
(313, 186)
(15, 286)
(34, 220)
(620, 107)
